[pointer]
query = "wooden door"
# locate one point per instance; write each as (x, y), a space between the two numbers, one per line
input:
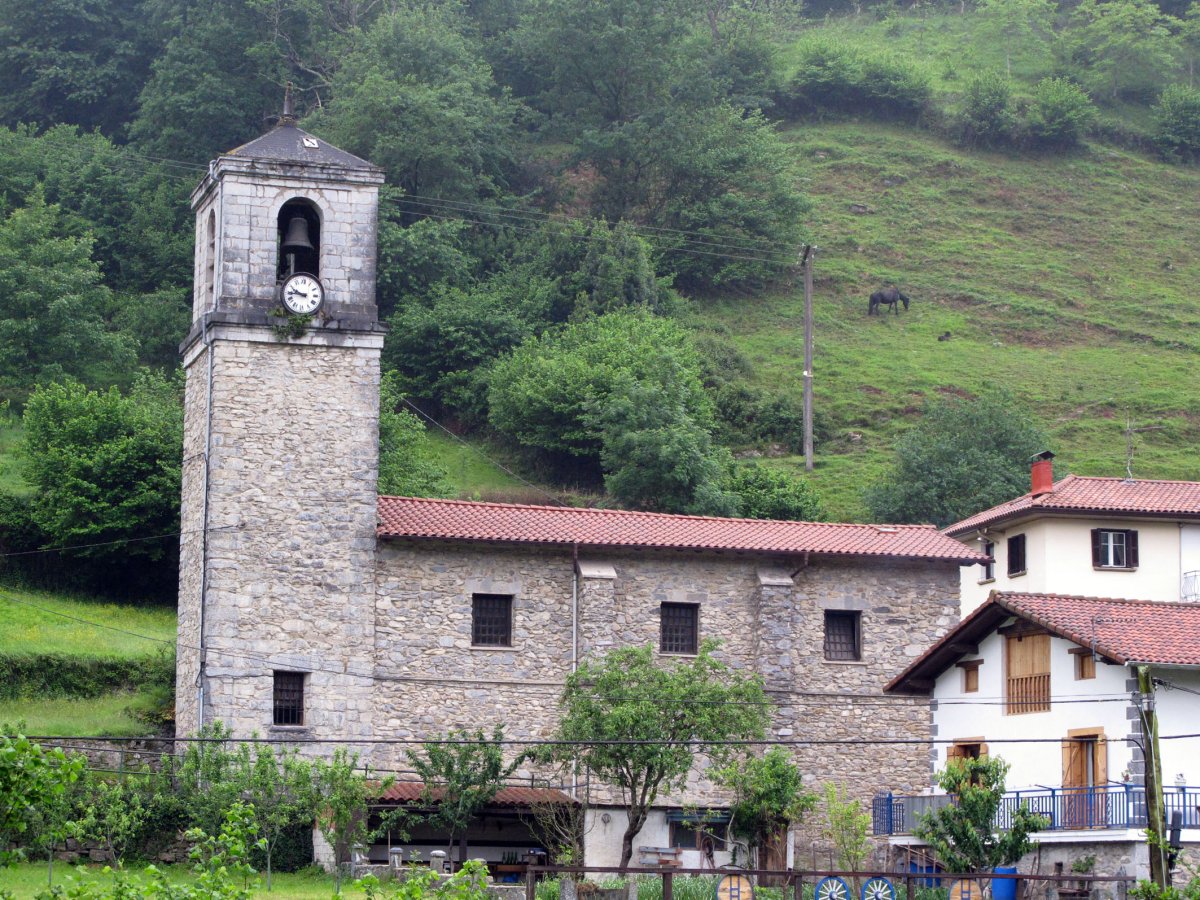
(1085, 779)
(1028, 668)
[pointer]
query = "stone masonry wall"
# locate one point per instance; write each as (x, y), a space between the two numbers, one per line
(292, 531)
(431, 679)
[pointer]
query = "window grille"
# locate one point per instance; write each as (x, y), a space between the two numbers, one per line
(842, 635)
(289, 698)
(680, 628)
(491, 620)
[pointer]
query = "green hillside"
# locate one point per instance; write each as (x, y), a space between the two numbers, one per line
(1068, 280)
(63, 675)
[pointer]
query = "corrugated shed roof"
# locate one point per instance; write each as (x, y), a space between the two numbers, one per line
(1077, 493)
(411, 791)
(287, 143)
(408, 517)
(1124, 631)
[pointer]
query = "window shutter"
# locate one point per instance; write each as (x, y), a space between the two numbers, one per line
(983, 751)
(1131, 551)
(1096, 559)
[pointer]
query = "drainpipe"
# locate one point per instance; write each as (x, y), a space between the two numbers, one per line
(575, 642)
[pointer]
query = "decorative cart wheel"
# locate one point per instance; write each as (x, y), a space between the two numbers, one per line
(878, 888)
(832, 888)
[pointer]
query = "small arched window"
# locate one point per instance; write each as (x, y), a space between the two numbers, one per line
(299, 238)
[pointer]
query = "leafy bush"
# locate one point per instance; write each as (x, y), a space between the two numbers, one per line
(1177, 122)
(833, 76)
(987, 115)
(63, 675)
(770, 494)
(1061, 113)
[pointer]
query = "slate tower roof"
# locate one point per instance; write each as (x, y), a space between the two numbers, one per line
(288, 143)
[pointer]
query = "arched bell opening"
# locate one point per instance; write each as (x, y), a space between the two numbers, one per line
(299, 230)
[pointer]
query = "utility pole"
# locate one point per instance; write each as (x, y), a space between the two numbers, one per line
(1154, 798)
(807, 262)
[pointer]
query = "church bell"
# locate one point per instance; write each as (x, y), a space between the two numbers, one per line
(297, 236)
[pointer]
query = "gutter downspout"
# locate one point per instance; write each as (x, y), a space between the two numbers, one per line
(218, 268)
(575, 642)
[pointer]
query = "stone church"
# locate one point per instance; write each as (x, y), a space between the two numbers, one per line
(310, 607)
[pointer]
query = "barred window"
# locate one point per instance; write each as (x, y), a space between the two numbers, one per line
(680, 628)
(289, 698)
(843, 637)
(491, 619)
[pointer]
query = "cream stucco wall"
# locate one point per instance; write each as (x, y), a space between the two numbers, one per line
(1059, 560)
(1101, 702)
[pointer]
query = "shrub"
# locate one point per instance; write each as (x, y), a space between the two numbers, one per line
(1177, 122)
(770, 494)
(987, 116)
(837, 77)
(1061, 113)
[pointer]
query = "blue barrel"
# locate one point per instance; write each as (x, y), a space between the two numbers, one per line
(1005, 888)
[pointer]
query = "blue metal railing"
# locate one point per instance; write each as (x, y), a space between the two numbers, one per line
(1066, 809)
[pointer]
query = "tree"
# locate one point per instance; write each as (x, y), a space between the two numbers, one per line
(1177, 122)
(417, 98)
(1061, 113)
(768, 797)
(30, 779)
(963, 834)
(987, 116)
(847, 827)
(1122, 46)
(1024, 23)
(638, 725)
(115, 812)
(964, 456)
(106, 468)
(408, 466)
(462, 778)
(279, 791)
(342, 795)
(765, 493)
(51, 305)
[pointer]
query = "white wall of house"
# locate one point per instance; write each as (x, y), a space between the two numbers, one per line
(602, 840)
(1179, 713)
(981, 714)
(1058, 555)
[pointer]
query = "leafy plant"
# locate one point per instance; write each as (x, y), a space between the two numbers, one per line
(768, 797)
(1061, 113)
(963, 835)
(847, 827)
(32, 781)
(1177, 122)
(987, 115)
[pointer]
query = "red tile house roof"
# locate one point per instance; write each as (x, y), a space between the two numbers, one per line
(1122, 631)
(1078, 494)
(410, 792)
(462, 520)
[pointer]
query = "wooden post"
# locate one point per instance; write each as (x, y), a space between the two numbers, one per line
(808, 357)
(668, 885)
(530, 883)
(1153, 761)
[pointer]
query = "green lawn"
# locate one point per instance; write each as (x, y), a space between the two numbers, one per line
(40, 622)
(26, 879)
(107, 715)
(475, 475)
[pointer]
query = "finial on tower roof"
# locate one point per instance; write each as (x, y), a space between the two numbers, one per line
(289, 112)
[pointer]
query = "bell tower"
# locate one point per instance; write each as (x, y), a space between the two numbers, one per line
(281, 443)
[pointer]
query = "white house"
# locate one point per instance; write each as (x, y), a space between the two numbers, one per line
(1044, 675)
(1099, 537)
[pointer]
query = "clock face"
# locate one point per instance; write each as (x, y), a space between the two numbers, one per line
(302, 294)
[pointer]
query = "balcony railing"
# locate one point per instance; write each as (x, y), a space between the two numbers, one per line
(1028, 693)
(1067, 809)
(1189, 587)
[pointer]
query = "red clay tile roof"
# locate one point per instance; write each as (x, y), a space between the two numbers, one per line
(407, 517)
(410, 791)
(1124, 631)
(1077, 493)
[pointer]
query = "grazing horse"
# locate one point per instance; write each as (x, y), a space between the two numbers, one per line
(892, 297)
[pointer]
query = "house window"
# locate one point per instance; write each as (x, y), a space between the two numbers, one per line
(987, 570)
(970, 670)
(967, 748)
(1016, 555)
(680, 628)
(491, 620)
(289, 698)
(699, 834)
(1085, 664)
(1114, 548)
(843, 635)
(1028, 682)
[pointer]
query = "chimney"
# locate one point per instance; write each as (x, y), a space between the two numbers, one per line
(1041, 473)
